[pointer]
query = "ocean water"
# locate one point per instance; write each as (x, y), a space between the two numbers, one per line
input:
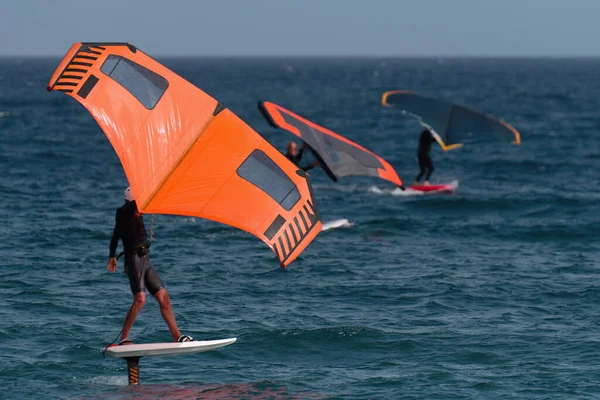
(491, 293)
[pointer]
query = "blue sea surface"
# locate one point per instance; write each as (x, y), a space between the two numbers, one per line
(491, 293)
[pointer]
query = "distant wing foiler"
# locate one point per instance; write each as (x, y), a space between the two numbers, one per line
(184, 153)
(338, 156)
(452, 123)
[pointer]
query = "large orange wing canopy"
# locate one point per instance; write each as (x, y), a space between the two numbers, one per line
(338, 156)
(184, 153)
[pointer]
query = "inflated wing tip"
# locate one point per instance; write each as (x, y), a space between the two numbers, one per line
(384, 98)
(453, 146)
(289, 236)
(263, 110)
(71, 53)
(517, 140)
(284, 261)
(91, 49)
(515, 132)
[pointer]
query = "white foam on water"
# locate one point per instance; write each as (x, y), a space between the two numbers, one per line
(122, 380)
(395, 191)
(337, 224)
(408, 192)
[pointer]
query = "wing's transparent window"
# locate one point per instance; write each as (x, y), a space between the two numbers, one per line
(145, 85)
(263, 173)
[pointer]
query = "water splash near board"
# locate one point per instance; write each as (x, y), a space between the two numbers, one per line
(337, 224)
(422, 190)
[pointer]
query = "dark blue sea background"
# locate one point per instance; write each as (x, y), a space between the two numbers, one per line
(491, 293)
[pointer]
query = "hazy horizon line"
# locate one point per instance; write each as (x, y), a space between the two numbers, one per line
(337, 56)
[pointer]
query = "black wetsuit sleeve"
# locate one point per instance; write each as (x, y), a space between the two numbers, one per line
(296, 159)
(299, 156)
(307, 167)
(114, 241)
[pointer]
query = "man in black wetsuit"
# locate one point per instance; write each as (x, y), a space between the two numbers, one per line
(129, 227)
(425, 164)
(295, 156)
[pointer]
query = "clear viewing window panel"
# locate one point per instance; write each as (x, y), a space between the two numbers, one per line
(263, 173)
(145, 85)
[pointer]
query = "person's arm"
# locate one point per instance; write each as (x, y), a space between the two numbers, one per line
(114, 242)
(300, 154)
(309, 167)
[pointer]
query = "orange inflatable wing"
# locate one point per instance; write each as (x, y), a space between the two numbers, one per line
(337, 155)
(184, 153)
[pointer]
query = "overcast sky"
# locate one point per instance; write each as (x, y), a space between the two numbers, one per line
(307, 27)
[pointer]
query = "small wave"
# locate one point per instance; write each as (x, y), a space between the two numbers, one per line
(6, 114)
(329, 333)
(338, 223)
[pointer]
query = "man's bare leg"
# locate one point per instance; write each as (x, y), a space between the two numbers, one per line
(139, 299)
(167, 312)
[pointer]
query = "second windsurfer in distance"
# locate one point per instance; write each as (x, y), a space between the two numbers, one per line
(129, 227)
(295, 156)
(425, 164)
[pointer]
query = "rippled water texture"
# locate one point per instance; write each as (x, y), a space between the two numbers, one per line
(488, 294)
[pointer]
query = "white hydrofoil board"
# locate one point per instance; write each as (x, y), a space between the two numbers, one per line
(167, 349)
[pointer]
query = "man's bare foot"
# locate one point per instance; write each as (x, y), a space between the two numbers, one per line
(427, 183)
(125, 342)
